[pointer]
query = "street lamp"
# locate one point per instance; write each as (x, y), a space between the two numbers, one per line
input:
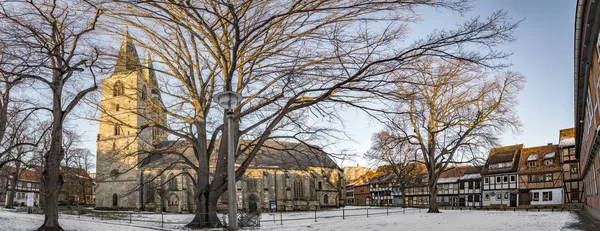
(228, 100)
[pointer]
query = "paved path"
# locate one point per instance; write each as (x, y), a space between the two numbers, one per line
(586, 222)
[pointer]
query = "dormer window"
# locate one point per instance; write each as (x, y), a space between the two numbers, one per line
(549, 162)
(532, 160)
(549, 159)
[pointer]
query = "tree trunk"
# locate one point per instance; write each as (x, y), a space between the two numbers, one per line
(433, 206)
(11, 195)
(206, 211)
(51, 178)
(403, 197)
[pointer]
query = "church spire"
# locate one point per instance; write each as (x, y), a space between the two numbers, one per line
(150, 75)
(127, 59)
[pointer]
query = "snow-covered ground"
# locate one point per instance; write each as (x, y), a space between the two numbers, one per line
(355, 219)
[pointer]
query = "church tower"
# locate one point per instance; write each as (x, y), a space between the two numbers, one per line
(130, 100)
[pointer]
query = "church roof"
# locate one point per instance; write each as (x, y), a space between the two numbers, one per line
(285, 155)
(127, 59)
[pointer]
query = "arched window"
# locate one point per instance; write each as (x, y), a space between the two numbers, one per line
(118, 89)
(298, 190)
(115, 200)
(150, 192)
(143, 93)
(172, 182)
(326, 199)
(117, 107)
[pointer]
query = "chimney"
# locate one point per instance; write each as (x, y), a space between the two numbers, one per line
(549, 144)
(79, 166)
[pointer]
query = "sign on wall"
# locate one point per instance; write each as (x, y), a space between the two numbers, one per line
(273, 205)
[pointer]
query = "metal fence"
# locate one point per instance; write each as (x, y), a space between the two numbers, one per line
(245, 219)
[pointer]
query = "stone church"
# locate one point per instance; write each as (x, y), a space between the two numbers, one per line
(299, 178)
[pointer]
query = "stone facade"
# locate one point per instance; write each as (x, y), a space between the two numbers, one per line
(127, 178)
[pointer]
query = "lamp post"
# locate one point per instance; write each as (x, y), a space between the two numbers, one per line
(228, 100)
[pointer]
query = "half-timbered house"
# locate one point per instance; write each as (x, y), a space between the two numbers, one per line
(417, 191)
(469, 193)
(500, 176)
(572, 181)
(381, 189)
(540, 177)
(447, 186)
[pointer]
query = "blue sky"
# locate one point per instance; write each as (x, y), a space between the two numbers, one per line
(543, 53)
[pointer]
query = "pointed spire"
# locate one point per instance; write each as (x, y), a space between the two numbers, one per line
(127, 59)
(149, 73)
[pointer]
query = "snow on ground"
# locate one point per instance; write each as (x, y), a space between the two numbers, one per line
(415, 220)
(355, 219)
(11, 221)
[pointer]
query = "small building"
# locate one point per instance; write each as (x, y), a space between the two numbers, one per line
(27, 181)
(469, 193)
(540, 177)
(500, 183)
(362, 194)
(572, 181)
(447, 186)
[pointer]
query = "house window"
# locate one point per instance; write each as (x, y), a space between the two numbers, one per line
(498, 196)
(298, 190)
(548, 177)
(477, 198)
(505, 195)
(497, 179)
(531, 178)
(470, 184)
(547, 196)
(462, 185)
(574, 168)
(513, 178)
(487, 180)
(118, 89)
(536, 196)
(548, 162)
(470, 198)
(505, 178)
(477, 185)
(531, 164)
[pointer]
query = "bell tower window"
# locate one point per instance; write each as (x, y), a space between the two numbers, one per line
(118, 89)
(118, 131)
(117, 107)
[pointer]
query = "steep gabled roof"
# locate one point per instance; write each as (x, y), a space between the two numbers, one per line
(566, 137)
(538, 154)
(503, 154)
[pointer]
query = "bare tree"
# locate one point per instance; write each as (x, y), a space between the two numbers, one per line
(397, 157)
(53, 39)
(291, 61)
(451, 111)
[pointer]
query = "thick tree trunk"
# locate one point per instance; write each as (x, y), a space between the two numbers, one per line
(13, 190)
(403, 197)
(51, 178)
(433, 206)
(206, 212)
